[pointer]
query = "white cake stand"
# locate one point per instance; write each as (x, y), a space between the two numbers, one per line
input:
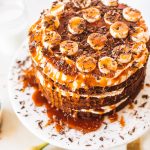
(137, 120)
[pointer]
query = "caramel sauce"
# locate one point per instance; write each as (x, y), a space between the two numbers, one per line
(122, 121)
(131, 106)
(61, 119)
(28, 79)
(113, 118)
(38, 99)
(59, 128)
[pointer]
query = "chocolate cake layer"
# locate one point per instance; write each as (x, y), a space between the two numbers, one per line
(93, 90)
(69, 103)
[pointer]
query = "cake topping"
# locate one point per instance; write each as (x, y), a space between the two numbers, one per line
(112, 16)
(50, 22)
(98, 31)
(122, 53)
(82, 3)
(139, 35)
(86, 64)
(119, 30)
(110, 2)
(137, 48)
(51, 39)
(68, 47)
(76, 25)
(124, 58)
(141, 23)
(131, 14)
(107, 64)
(97, 41)
(91, 14)
(57, 8)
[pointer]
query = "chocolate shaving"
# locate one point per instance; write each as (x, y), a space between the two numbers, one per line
(132, 131)
(147, 84)
(101, 139)
(40, 124)
(143, 105)
(71, 140)
(145, 96)
(88, 145)
(121, 137)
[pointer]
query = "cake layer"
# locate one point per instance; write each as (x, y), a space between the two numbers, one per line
(97, 91)
(83, 107)
(92, 104)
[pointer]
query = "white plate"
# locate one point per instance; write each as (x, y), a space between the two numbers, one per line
(137, 120)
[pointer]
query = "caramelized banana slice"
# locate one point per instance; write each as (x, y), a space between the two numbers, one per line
(57, 8)
(97, 41)
(139, 35)
(50, 23)
(107, 64)
(91, 14)
(111, 17)
(110, 2)
(131, 14)
(137, 48)
(122, 54)
(51, 39)
(68, 47)
(82, 3)
(76, 25)
(86, 64)
(141, 23)
(124, 58)
(119, 30)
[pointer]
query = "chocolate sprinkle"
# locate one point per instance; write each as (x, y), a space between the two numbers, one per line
(145, 96)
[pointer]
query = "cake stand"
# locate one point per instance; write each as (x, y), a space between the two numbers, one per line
(137, 119)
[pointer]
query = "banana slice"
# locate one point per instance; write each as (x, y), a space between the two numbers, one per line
(110, 2)
(76, 25)
(51, 39)
(111, 17)
(97, 41)
(125, 58)
(139, 35)
(137, 48)
(119, 30)
(50, 22)
(86, 64)
(82, 3)
(107, 64)
(69, 47)
(141, 23)
(122, 54)
(131, 14)
(91, 14)
(57, 8)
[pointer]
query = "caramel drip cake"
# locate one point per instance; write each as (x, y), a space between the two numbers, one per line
(89, 56)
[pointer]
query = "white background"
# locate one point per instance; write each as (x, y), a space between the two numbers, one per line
(14, 136)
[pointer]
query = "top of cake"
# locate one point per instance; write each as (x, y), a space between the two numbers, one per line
(88, 43)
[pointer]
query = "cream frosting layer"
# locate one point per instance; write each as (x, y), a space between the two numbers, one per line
(106, 109)
(75, 95)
